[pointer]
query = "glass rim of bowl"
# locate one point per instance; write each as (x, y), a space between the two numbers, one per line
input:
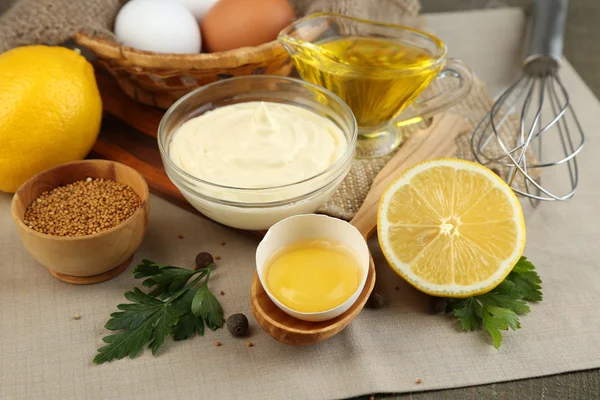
(348, 152)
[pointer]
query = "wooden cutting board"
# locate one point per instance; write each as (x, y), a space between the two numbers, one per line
(128, 135)
(129, 130)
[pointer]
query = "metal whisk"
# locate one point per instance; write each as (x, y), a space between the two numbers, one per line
(545, 112)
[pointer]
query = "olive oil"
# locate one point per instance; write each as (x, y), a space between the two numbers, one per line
(376, 77)
(313, 276)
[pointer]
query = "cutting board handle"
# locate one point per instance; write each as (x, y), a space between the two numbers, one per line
(436, 141)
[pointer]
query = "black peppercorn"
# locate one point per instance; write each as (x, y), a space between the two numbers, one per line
(237, 325)
(376, 300)
(203, 260)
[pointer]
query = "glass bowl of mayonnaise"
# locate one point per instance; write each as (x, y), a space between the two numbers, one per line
(250, 151)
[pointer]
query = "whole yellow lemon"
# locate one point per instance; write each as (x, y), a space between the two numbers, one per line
(50, 111)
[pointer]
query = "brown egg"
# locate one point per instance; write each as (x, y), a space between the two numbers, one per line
(232, 24)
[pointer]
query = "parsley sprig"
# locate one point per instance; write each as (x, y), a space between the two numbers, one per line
(499, 309)
(174, 306)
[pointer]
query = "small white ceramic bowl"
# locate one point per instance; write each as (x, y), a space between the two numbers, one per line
(312, 227)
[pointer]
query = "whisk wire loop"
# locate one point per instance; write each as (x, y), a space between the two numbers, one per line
(547, 122)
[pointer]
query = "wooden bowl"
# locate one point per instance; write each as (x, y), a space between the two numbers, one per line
(289, 330)
(84, 259)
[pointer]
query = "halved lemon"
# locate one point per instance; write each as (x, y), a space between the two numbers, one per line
(451, 227)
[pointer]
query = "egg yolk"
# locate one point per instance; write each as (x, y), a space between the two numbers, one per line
(313, 276)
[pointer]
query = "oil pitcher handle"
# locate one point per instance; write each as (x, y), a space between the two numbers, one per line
(455, 70)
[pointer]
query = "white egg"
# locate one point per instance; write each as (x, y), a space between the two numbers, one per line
(158, 25)
(198, 8)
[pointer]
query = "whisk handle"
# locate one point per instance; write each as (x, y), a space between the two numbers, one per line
(547, 30)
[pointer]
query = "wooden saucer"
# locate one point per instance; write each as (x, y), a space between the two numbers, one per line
(289, 330)
(88, 280)
(434, 142)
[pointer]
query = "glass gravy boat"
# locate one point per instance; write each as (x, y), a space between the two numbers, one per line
(379, 70)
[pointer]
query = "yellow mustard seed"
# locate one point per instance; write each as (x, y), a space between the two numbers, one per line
(82, 208)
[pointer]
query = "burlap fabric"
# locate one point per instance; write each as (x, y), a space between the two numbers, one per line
(54, 21)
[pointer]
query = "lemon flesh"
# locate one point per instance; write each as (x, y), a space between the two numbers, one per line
(451, 228)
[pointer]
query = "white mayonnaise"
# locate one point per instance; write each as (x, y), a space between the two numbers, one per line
(257, 145)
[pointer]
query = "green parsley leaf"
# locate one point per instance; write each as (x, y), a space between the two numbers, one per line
(184, 302)
(508, 316)
(187, 326)
(505, 295)
(499, 309)
(126, 343)
(164, 279)
(526, 280)
(166, 311)
(167, 320)
(130, 342)
(469, 314)
(493, 326)
(133, 315)
(496, 319)
(206, 306)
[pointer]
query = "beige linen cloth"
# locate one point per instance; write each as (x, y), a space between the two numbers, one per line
(46, 354)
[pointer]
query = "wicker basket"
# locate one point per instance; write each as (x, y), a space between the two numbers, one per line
(159, 79)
